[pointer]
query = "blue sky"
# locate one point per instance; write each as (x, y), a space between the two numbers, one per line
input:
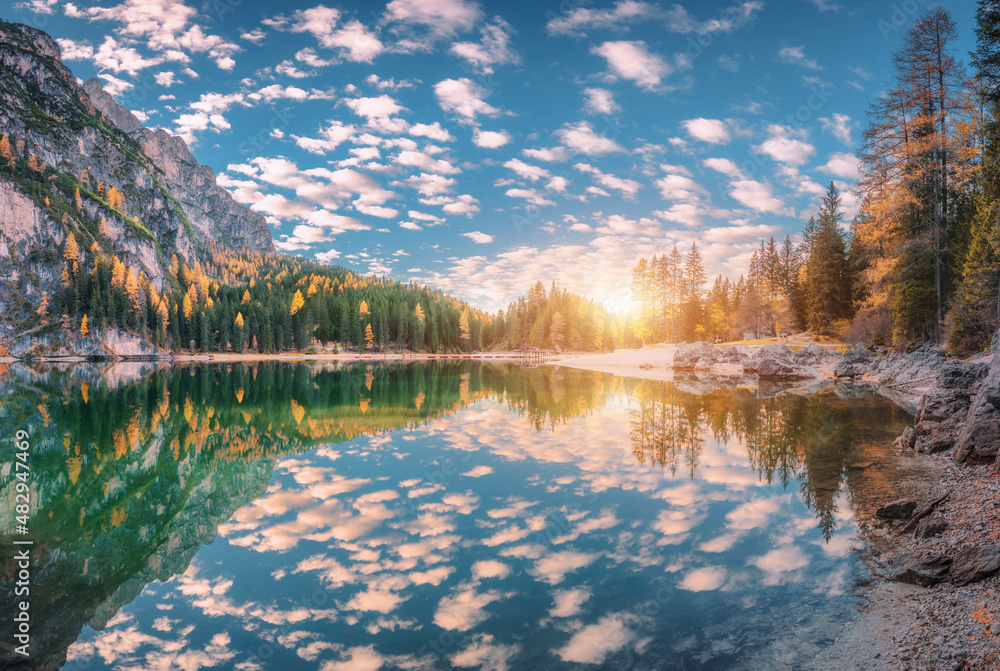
(479, 146)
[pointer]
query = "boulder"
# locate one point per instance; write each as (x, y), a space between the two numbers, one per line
(929, 527)
(854, 362)
(907, 440)
(901, 509)
(689, 356)
(979, 439)
(975, 564)
(811, 354)
(777, 362)
(920, 568)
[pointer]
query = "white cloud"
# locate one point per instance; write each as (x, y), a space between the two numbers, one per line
(704, 579)
(581, 19)
(547, 154)
(478, 238)
(757, 196)
(533, 196)
(330, 138)
(842, 164)
(840, 126)
(352, 40)
(596, 642)
(526, 170)
(581, 137)
(724, 166)
(494, 48)
(490, 139)
(634, 61)
(600, 101)
(569, 602)
(464, 98)
(797, 56)
(627, 187)
(432, 131)
(439, 18)
(464, 608)
(712, 131)
(786, 146)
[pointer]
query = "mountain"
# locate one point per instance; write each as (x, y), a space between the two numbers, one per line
(72, 160)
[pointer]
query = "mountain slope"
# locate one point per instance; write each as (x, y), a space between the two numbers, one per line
(74, 161)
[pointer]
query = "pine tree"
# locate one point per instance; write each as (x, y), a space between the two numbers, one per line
(297, 302)
(369, 336)
(83, 327)
(71, 251)
(828, 289)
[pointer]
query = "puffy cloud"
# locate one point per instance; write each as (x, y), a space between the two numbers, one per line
(569, 602)
(489, 139)
(786, 146)
(842, 164)
(582, 138)
(329, 138)
(380, 112)
(526, 170)
(533, 196)
(581, 19)
(740, 233)
(757, 196)
(712, 131)
(627, 187)
(552, 568)
(427, 184)
(464, 608)
(352, 40)
(724, 166)
(547, 154)
(704, 579)
(421, 22)
(840, 126)
(600, 101)
(797, 56)
(494, 48)
(634, 61)
(484, 654)
(464, 98)
(432, 131)
(478, 238)
(596, 642)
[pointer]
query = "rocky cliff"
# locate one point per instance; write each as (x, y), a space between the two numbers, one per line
(64, 148)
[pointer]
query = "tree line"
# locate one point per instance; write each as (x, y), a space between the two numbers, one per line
(787, 287)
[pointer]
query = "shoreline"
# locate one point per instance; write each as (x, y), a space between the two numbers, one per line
(898, 625)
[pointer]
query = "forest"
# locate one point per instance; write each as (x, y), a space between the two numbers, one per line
(919, 263)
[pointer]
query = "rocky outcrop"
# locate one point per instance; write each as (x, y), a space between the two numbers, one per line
(210, 209)
(854, 362)
(770, 362)
(979, 438)
(89, 143)
(108, 344)
(779, 362)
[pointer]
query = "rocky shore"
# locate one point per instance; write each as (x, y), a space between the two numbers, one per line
(934, 555)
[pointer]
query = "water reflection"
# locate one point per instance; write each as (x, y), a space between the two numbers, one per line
(532, 517)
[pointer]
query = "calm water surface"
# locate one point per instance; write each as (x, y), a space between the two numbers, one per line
(281, 516)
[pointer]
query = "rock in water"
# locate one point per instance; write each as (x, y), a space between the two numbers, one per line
(777, 362)
(907, 440)
(854, 362)
(921, 568)
(695, 355)
(901, 509)
(975, 564)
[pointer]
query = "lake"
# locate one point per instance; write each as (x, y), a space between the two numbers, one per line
(432, 516)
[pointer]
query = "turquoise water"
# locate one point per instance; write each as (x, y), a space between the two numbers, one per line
(283, 516)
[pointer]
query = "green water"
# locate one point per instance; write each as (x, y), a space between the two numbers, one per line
(428, 516)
